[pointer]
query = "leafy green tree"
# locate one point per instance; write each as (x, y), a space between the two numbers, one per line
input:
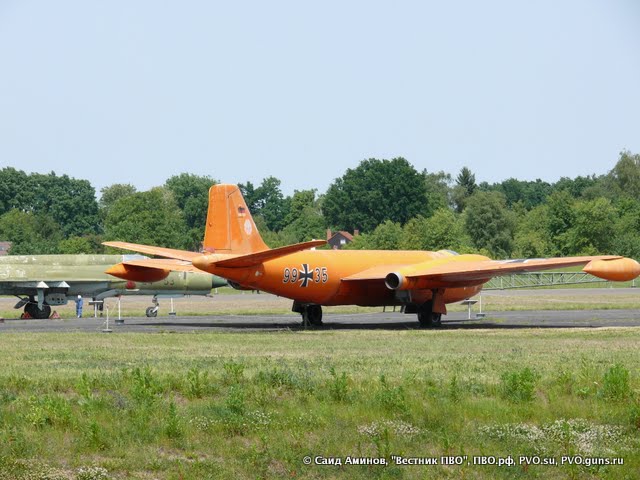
(532, 237)
(151, 218)
(304, 220)
(267, 201)
(489, 223)
(75, 245)
(70, 202)
(592, 226)
(576, 187)
(561, 217)
(529, 194)
(14, 191)
(626, 174)
(626, 232)
(191, 193)
(301, 200)
(375, 191)
(29, 233)
(308, 225)
(386, 236)
(248, 191)
(464, 188)
(192, 196)
(438, 190)
(113, 193)
(444, 230)
(271, 238)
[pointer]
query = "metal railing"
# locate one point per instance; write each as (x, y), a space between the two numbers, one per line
(540, 279)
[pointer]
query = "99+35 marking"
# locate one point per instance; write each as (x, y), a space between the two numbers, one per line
(304, 275)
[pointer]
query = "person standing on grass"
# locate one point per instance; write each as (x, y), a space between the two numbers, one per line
(79, 303)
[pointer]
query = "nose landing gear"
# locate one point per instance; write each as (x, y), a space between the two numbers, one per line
(153, 310)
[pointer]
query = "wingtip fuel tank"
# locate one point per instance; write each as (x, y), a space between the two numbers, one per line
(618, 270)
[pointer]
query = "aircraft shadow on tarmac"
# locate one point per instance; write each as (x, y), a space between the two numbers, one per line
(392, 326)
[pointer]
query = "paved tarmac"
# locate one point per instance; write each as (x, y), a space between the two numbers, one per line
(382, 320)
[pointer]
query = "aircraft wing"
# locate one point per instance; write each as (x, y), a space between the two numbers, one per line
(157, 251)
(459, 271)
(163, 263)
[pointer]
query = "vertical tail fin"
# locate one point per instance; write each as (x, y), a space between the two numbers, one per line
(230, 227)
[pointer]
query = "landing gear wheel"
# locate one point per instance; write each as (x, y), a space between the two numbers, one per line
(152, 312)
(312, 315)
(427, 317)
(35, 312)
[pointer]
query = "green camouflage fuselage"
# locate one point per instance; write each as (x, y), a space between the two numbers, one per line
(55, 278)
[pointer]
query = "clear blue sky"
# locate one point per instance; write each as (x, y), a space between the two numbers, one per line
(137, 91)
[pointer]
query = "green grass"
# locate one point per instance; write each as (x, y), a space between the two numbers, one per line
(253, 405)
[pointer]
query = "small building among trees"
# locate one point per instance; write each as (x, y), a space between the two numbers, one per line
(339, 239)
(4, 248)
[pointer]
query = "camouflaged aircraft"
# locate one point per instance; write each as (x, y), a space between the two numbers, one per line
(43, 281)
(421, 282)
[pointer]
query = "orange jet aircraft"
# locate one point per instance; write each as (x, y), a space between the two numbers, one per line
(419, 281)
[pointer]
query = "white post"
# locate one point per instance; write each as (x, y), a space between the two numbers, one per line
(107, 329)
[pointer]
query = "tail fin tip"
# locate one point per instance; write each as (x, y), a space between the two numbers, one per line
(230, 227)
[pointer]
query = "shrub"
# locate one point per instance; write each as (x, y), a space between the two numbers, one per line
(233, 372)
(196, 382)
(391, 398)
(519, 386)
(339, 388)
(615, 384)
(173, 427)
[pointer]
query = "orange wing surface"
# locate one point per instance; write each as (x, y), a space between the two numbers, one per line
(157, 251)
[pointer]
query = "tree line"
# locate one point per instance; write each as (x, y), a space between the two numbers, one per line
(391, 204)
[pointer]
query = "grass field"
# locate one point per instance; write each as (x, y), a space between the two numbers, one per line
(254, 405)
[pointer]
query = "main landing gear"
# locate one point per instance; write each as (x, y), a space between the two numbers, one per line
(427, 317)
(311, 314)
(31, 308)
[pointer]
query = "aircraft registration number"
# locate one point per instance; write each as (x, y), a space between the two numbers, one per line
(305, 275)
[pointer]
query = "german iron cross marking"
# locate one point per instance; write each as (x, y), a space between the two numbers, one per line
(305, 275)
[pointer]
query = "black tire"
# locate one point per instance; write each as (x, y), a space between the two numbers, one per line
(315, 315)
(427, 317)
(151, 312)
(311, 315)
(34, 312)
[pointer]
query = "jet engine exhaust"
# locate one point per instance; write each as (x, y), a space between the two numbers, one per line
(393, 281)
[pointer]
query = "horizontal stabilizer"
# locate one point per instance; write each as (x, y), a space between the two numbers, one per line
(149, 270)
(257, 258)
(157, 251)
